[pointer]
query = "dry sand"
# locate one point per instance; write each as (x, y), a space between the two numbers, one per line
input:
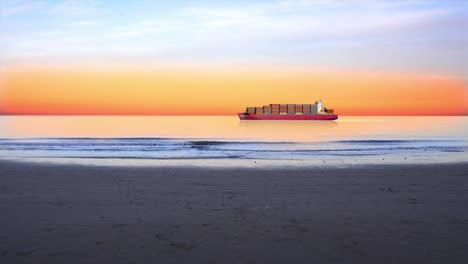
(367, 214)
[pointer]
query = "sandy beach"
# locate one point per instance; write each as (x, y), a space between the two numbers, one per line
(363, 214)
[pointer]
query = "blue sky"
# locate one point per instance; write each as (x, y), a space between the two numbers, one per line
(417, 36)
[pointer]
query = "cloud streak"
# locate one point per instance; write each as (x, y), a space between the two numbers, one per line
(10, 8)
(318, 33)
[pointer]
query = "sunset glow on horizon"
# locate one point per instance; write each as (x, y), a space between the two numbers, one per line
(218, 92)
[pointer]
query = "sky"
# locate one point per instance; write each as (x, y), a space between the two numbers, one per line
(217, 57)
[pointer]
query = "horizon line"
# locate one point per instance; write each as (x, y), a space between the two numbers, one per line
(1, 114)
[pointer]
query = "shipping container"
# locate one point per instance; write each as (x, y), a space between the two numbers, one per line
(298, 109)
(250, 110)
(267, 109)
(291, 109)
(313, 109)
(306, 109)
(283, 109)
(259, 110)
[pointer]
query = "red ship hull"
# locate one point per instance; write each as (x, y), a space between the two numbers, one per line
(244, 116)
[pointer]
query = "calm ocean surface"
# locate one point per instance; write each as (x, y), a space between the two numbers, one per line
(218, 140)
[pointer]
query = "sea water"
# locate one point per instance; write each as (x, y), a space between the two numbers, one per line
(225, 140)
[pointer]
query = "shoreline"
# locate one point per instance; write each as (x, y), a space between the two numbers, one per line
(99, 214)
(233, 163)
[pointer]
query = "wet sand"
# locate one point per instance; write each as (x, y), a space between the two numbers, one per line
(364, 214)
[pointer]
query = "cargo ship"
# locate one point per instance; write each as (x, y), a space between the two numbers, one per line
(314, 111)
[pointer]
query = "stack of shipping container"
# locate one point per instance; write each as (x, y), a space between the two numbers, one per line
(306, 109)
(259, 110)
(275, 109)
(291, 109)
(298, 109)
(281, 109)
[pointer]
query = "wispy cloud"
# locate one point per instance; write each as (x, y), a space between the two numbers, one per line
(147, 27)
(82, 23)
(8, 8)
(260, 20)
(74, 7)
(365, 33)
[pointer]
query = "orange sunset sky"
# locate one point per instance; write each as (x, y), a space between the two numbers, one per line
(224, 92)
(205, 58)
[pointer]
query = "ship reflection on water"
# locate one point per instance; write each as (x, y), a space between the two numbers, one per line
(231, 128)
(288, 130)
